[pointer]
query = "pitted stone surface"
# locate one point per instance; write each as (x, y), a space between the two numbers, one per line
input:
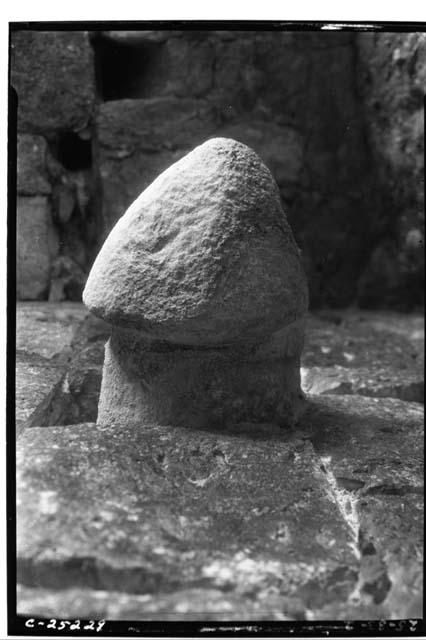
(157, 510)
(294, 524)
(33, 240)
(364, 381)
(372, 454)
(185, 604)
(204, 256)
(358, 339)
(44, 332)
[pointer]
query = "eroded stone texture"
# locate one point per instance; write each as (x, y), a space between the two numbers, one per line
(391, 81)
(33, 258)
(76, 399)
(138, 139)
(371, 452)
(47, 329)
(35, 382)
(44, 333)
(262, 89)
(361, 154)
(185, 604)
(53, 74)
(156, 511)
(203, 284)
(204, 256)
(380, 383)
(312, 524)
(145, 382)
(363, 339)
(32, 174)
(378, 354)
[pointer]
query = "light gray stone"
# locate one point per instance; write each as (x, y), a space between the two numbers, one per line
(158, 511)
(44, 332)
(31, 166)
(312, 524)
(379, 383)
(33, 253)
(53, 74)
(204, 256)
(203, 284)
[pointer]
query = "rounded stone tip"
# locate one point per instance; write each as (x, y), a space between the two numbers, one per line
(204, 255)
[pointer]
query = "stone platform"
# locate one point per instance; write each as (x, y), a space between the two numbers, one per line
(321, 522)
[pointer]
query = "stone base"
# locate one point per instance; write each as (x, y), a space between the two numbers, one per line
(146, 382)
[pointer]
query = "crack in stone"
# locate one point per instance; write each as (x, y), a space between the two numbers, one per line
(373, 578)
(345, 501)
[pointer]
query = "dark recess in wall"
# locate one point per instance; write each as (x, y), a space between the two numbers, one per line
(121, 69)
(72, 152)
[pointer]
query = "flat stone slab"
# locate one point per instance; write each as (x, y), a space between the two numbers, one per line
(44, 332)
(47, 328)
(157, 510)
(76, 399)
(365, 381)
(36, 381)
(185, 604)
(377, 354)
(300, 524)
(365, 339)
(372, 454)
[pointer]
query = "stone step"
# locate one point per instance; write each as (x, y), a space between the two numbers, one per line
(281, 523)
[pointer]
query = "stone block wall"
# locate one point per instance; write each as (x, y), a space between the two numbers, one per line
(392, 85)
(102, 114)
(53, 75)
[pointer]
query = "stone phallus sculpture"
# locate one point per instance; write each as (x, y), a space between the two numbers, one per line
(201, 280)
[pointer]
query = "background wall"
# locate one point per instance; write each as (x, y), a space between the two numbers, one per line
(337, 116)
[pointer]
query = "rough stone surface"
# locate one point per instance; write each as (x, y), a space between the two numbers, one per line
(154, 511)
(76, 400)
(138, 139)
(391, 80)
(185, 604)
(381, 383)
(163, 92)
(260, 88)
(368, 353)
(47, 329)
(144, 382)
(378, 353)
(384, 355)
(357, 339)
(203, 284)
(203, 256)
(139, 36)
(35, 381)
(33, 244)
(31, 166)
(44, 334)
(67, 279)
(287, 525)
(372, 453)
(53, 75)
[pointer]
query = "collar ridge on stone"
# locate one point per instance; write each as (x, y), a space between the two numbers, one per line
(204, 256)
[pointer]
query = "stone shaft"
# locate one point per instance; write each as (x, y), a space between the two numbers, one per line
(155, 382)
